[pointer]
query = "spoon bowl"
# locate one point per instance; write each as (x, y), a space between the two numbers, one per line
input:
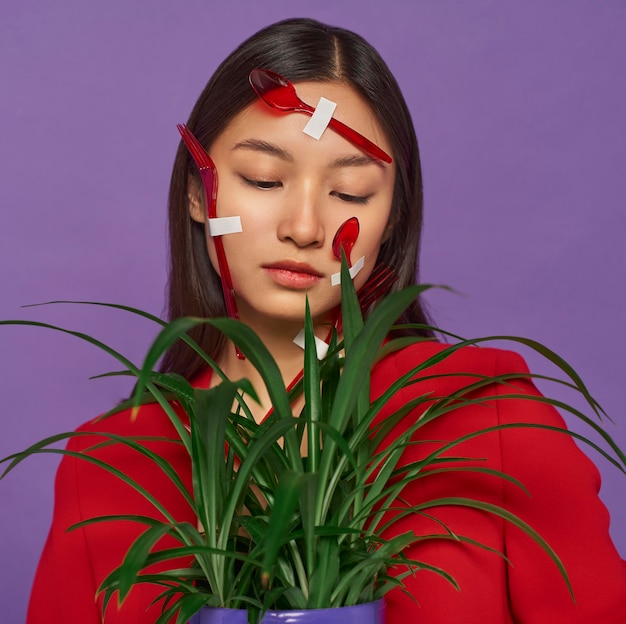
(277, 92)
(345, 238)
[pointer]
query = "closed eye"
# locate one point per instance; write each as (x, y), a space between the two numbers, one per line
(263, 185)
(354, 199)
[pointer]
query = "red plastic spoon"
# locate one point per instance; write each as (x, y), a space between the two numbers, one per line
(277, 92)
(345, 238)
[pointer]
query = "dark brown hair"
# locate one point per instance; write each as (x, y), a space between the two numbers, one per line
(300, 50)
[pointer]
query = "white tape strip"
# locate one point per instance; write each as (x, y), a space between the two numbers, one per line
(320, 346)
(320, 119)
(335, 278)
(224, 225)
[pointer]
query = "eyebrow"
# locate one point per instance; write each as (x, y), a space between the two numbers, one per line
(354, 160)
(257, 145)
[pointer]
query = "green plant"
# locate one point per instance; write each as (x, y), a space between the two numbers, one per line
(277, 529)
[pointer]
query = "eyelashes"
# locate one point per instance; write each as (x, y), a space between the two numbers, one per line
(262, 185)
(268, 185)
(353, 199)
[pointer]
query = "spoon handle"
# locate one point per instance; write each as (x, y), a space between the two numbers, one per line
(371, 149)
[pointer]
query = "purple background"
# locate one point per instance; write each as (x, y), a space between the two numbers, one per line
(520, 111)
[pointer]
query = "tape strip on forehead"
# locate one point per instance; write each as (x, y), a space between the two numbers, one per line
(320, 119)
(335, 278)
(320, 346)
(218, 226)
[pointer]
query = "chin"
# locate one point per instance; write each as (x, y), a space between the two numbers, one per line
(287, 315)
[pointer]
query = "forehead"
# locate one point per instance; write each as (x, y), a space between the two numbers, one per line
(352, 110)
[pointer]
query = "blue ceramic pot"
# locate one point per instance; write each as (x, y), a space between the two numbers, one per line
(369, 613)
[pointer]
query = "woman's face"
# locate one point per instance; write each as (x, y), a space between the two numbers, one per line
(292, 193)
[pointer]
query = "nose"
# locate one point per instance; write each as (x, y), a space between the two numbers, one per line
(300, 222)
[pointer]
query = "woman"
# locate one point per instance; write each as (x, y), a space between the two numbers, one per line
(292, 193)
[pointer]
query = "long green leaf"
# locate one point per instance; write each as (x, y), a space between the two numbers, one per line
(288, 492)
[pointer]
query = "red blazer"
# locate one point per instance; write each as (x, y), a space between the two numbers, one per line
(561, 504)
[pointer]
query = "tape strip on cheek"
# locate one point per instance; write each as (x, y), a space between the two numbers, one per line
(224, 225)
(335, 278)
(320, 346)
(320, 119)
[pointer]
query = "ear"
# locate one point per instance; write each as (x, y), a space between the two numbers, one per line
(195, 199)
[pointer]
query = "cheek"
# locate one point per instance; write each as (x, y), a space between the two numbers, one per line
(232, 202)
(371, 236)
(257, 212)
(373, 229)
(368, 247)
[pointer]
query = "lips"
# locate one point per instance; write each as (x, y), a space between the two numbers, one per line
(291, 274)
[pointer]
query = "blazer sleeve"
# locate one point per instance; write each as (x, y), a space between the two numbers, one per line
(74, 564)
(560, 502)
(564, 507)
(64, 589)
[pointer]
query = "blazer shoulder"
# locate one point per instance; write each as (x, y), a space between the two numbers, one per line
(430, 356)
(150, 420)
